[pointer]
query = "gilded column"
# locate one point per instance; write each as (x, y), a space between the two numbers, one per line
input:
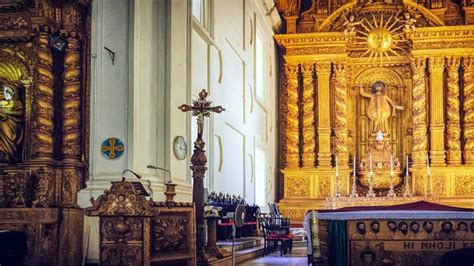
(292, 125)
(340, 123)
(419, 112)
(323, 71)
(42, 125)
(453, 128)
(436, 65)
(468, 66)
(309, 143)
(72, 100)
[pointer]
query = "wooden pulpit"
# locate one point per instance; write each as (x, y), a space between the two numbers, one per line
(135, 230)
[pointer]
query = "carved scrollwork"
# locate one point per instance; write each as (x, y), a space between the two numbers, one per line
(340, 116)
(72, 99)
(464, 185)
(297, 186)
(170, 234)
(468, 65)
(419, 111)
(17, 189)
(121, 229)
(309, 143)
(71, 179)
(292, 126)
(453, 120)
(42, 126)
(122, 254)
(44, 187)
(122, 199)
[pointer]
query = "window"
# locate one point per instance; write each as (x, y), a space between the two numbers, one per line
(260, 177)
(197, 9)
(202, 13)
(260, 68)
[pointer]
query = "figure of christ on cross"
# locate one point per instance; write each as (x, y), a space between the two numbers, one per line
(200, 108)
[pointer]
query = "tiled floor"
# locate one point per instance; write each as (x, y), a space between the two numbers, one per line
(297, 257)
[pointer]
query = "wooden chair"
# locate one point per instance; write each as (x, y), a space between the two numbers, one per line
(274, 236)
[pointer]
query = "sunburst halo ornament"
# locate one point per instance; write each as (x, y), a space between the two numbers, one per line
(380, 38)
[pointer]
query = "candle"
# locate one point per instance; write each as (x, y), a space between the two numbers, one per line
(391, 165)
(406, 174)
(370, 162)
(337, 168)
(354, 166)
(428, 163)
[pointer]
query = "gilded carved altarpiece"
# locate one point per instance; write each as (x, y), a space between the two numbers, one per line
(44, 85)
(332, 55)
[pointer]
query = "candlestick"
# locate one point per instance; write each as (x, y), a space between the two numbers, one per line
(371, 180)
(428, 163)
(391, 192)
(354, 166)
(406, 173)
(337, 167)
(407, 192)
(391, 165)
(354, 185)
(370, 162)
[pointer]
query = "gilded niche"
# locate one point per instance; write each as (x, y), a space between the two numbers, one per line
(11, 113)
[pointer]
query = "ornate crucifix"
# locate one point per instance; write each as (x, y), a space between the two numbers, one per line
(200, 108)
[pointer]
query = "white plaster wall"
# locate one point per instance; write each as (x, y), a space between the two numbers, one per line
(233, 135)
(136, 99)
(111, 105)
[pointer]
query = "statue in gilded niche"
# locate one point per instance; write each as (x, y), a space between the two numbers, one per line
(11, 123)
(380, 107)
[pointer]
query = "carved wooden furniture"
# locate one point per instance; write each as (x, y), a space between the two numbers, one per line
(138, 231)
(44, 81)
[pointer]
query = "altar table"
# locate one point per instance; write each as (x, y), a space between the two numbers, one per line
(419, 233)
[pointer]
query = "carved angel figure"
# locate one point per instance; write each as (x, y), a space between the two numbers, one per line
(409, 22)
(11, 124)
(350, 25)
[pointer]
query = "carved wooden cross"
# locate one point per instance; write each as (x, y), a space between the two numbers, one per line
(200, 108)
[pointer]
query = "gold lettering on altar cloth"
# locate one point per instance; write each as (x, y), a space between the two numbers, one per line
(431, 245)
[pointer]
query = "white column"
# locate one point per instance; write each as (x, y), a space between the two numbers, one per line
(110, 106)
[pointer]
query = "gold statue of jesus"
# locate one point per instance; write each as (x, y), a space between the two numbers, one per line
(380, 107)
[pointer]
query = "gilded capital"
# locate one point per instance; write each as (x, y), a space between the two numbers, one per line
(436, 64)
(291, 70)
(323, 68)
(307, 68)
(418, 63)
(453, 63)
(468, 64)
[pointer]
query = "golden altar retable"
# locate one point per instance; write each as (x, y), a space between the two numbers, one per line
(333, 57)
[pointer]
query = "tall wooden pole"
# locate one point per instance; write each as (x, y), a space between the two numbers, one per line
(200, 108)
